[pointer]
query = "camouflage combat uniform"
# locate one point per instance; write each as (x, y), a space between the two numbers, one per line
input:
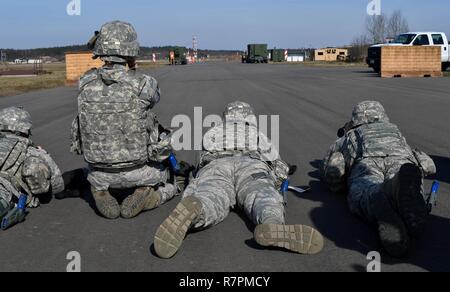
(24, 168)
(368, 158)
(239, 168)
(115, 128)
(235, 176)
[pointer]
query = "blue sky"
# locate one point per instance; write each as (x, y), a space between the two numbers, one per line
(229, 24)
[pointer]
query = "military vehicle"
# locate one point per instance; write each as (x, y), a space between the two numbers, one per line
(277, 55)
(178, 56)
(257, 53)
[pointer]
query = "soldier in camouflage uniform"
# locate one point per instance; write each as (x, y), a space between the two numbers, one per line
(382, 174)
(116, 130)
(246, 174)
(24, 168)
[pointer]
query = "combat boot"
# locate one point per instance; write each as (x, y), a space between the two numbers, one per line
(153, 200)
(297, 238)
(145, 198)
(106, 204)
(391, 229)
(406, 191)
(170, 235)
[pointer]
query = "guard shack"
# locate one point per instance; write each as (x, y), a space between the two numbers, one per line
(78, 63)
(331, 55)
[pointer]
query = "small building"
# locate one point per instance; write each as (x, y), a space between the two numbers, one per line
(49, 59)
(20, 61)
(331, 54)
(78, 63)
(295, 59)
(34, 61)
(294, 56)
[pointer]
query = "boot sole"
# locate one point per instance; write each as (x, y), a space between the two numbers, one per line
(153, 201)
(411, 204)
(134, 205)
(297, 238)
(170, 235)
(107, 206)
(391, 229)
(392, 232)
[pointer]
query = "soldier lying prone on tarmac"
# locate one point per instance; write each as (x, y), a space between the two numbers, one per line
(238, 176)
(382, 174)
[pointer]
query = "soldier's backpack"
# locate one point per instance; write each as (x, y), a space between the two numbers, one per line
(113, 122)
(379, 140)
(12, 156)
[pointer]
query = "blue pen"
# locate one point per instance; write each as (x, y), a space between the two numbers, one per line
(22, 204)
(174, 163)
(284, 190)
(432, 200)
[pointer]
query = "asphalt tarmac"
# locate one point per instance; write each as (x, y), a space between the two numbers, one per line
(312, 102)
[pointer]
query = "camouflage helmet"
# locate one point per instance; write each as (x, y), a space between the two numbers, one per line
(15, 119)
(368, 112)
(115, 42)
(239, 110)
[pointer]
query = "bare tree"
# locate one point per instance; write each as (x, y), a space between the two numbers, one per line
(376, 28)
(397, 24)
(358, 49)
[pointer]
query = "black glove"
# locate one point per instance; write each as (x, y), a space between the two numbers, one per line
(292, 169)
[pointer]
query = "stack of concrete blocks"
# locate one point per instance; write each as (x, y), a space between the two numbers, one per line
(78, 63)
(414, 61)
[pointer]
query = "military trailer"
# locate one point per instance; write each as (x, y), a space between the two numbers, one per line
(179, 57)
(277, 55)
(257, 53)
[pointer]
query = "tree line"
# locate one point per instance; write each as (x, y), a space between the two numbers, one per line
(59, 53)
(378, 29)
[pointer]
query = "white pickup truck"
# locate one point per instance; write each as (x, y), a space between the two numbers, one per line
(412, 39)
